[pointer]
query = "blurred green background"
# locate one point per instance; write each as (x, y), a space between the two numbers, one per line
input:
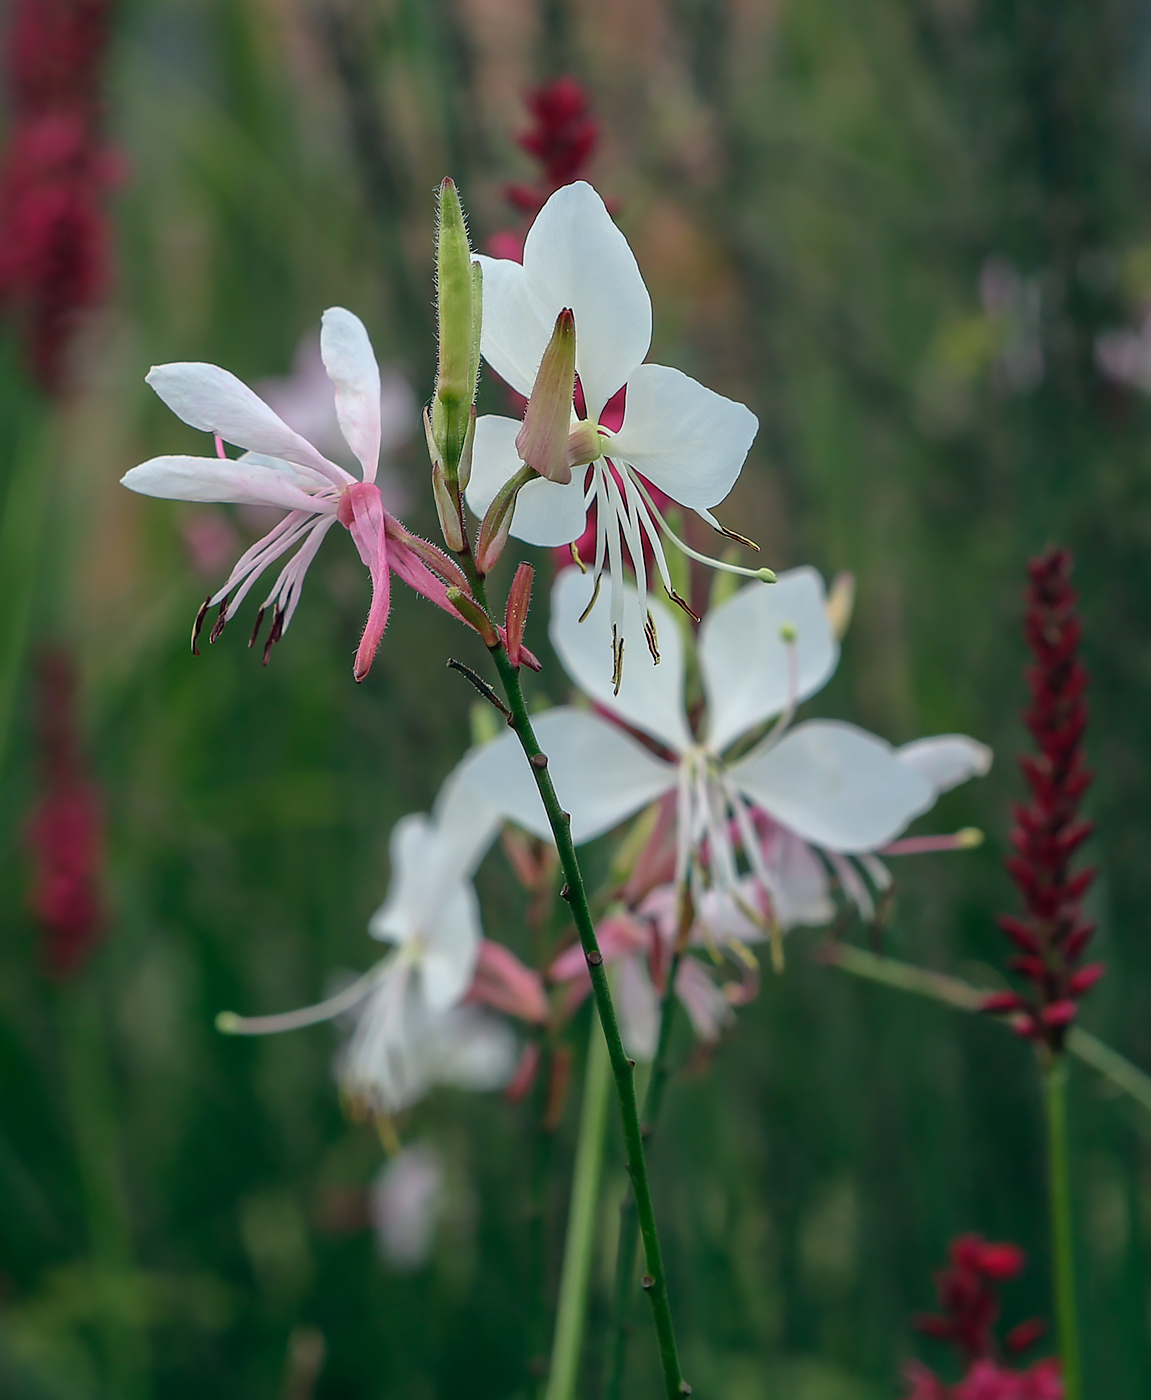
(897, 229)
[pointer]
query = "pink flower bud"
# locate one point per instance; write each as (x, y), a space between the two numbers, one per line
(519, 598)
(542, 442)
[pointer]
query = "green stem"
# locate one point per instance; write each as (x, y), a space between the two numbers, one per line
(91, 1102)
(622, 1068)
(571, 1313)
(628, 1238)
(954, 992)
(1062, 1239)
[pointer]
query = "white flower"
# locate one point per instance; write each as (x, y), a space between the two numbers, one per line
(684, 439)
(406, 1202)
(410, 1030)
(280, 468)
(760, 653)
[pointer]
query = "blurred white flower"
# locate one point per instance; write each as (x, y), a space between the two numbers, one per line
(406, 1203)
(1125, 355)
(409, 1030)
(684, 439)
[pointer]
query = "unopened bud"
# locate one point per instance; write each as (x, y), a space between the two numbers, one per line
(519, 597)
(448, 510)
(542, 442)
(458, 316)
(497, 523)
(474, 615)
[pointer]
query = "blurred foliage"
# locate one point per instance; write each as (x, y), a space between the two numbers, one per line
(895, 229)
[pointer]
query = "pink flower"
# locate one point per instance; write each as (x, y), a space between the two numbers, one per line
(280, 468)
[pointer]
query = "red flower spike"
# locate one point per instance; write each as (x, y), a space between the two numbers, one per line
(1052, 934)
(65, 832)
(968, 1295)
(563, 139)
(54, 174)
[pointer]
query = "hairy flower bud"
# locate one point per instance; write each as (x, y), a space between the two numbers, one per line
(542, 442)
(458, 305)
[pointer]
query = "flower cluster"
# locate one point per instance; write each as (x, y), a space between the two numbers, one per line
(65, 832)
(968, 1291)
(56, 171)
(563, 139)
(1053, 934)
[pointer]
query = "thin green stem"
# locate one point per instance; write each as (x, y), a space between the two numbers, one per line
(628, 1235)
(954, 992)
(655, 1280)
(91, 1103)
(1062, 1236)
(571, 1313)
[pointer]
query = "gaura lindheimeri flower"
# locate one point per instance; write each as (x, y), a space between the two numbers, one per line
(411, 1030)
(579, 295)
(760, 653)
(280, 468)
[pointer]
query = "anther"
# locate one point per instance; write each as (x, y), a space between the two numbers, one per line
(199, 622)
(221, 622)
(276, 631)
(256, 629)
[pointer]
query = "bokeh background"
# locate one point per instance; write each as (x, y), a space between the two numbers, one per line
(915, 236)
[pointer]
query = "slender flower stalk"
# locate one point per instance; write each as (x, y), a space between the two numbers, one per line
(571, 1314)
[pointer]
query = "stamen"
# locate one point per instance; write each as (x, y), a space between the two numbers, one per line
(616, 659)
(675, 598)
(652, 637)
(594, 596)
(256, 629)
(738, 538)
(220, 624)
(576, 560)
(199, 622)
(764, 575)
(276, 632)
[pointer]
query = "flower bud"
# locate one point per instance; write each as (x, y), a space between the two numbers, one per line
(519, 597)
(542, 442)
(497, 523)
(473, 615)
(458, 310)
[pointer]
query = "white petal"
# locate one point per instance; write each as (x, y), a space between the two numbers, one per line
(747, 670)
(411, 897)
(216, 479)
(600, 775)
(470, 1049)
(547, 513)
(835, 785)
(453, 947)
(800, 887)
(689, 441)
(466, 826)
(215, 401)
(512, 337)
(650, 696)
(638, 1009)
(574, 256)
(352, 368)
(946, 760)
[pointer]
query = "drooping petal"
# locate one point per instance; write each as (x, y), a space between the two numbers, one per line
(600, 775)
(362, 511)
(466, 826)
(546, 513)
(218, 479)
(512, 337)
(469, 1049)
(835, 785)
(575, 256)
(800, 887)
(352, 368)
(946, 760)
(690, 441)
(650, 696)
(215, 401)
(708, 1009)
(749, 672)
(410, 895)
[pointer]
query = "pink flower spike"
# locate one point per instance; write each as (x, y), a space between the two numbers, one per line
(502, 982)
(519, 599)
(362, 512)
